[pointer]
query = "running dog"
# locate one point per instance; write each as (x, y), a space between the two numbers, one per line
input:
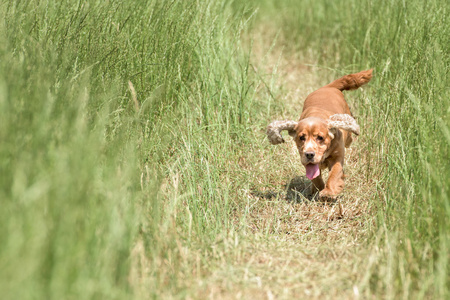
(323, 132)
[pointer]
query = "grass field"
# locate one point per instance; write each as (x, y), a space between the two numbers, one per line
(134, 163)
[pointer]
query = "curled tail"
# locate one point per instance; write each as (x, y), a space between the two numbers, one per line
(352, 81)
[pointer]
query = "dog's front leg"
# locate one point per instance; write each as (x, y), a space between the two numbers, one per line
(335, 183)
(317, 184)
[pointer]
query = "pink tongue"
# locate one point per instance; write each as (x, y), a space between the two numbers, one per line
(312, 171)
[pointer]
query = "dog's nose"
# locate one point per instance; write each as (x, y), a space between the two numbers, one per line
(309, 155)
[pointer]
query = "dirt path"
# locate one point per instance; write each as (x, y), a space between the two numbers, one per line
(283, 246)
(294, 248)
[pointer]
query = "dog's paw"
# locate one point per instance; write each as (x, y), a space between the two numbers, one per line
(327, 196)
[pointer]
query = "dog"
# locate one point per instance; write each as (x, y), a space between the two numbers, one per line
(323, 132)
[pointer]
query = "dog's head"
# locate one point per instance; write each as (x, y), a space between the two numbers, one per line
(313, 137)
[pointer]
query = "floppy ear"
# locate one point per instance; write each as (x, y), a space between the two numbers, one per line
(343, 121)
(274, 130)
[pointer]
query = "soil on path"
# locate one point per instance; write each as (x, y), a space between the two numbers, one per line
(295, 247)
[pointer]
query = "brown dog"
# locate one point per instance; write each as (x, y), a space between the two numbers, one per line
(323, 132)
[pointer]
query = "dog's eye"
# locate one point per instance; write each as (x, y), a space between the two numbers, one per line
(319, 138)
(302, 138)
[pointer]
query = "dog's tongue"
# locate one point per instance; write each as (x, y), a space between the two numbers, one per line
(312, 171)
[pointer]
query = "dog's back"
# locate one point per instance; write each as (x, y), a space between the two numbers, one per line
(329, 100)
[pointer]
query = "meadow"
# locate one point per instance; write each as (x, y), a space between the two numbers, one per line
(134, 162)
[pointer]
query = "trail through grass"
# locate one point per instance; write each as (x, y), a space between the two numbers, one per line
(290, 246)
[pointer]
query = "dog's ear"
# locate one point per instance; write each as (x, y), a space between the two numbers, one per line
(342, 121)
(332, 132)
(274, 130)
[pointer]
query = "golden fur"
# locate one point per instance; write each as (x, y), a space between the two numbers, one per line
(324, 131)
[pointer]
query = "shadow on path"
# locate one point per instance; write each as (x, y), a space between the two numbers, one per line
(297, 190)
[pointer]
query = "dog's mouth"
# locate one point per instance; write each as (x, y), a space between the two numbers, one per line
(312, 171)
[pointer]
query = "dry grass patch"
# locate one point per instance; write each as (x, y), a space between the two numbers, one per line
(293, 245)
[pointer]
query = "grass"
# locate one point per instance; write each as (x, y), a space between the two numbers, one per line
(134, 162)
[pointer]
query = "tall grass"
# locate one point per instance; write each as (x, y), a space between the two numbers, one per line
(108, 112)
(405, 121)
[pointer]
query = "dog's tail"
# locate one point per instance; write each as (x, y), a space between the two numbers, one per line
(352, 81)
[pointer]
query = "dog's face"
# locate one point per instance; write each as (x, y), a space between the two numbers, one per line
(313, 138)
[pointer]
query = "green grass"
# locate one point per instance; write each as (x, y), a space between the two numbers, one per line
(82, 170)
(131, 135)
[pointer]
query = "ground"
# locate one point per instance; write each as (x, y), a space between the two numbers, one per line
(293, 246)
